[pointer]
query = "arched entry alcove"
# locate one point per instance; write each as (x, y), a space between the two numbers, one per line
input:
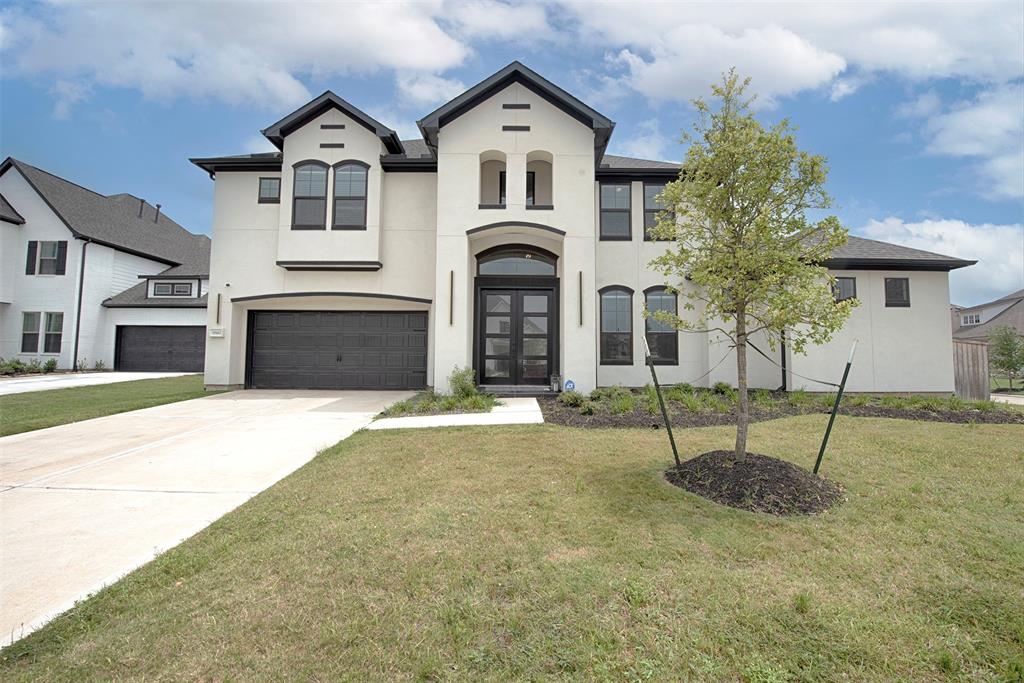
(516, 316)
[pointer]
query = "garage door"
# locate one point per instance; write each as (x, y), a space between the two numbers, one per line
(160, 348)
(338, 350)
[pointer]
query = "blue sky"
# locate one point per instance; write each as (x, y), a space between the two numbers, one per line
(919, 108)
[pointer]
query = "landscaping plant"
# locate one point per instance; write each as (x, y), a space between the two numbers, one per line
(743, 245)
(1006, 352)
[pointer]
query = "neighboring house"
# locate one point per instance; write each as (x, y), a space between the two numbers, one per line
(977, 322)
(507, 240)
(95, 279)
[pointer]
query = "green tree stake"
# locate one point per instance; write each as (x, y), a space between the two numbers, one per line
(661, 402)
(835, 407)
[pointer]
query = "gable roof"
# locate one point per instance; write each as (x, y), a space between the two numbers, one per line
(1012, 296)
(516, 72)
(861, 253)
(7, 212)
(306, 113)
(113, 221)
(1011, 316)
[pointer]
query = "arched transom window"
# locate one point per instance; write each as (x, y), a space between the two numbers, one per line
(516, 260)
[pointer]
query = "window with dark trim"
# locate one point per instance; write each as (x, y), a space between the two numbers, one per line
(163, 289)
(515, 260)
(652, 207)
(46, 258)
(616, 326)
(30, 331)
(182, 289)
(662, 338)
(845, 288)
(350, 195)
(615, 223)
(53, 331)
(897, 292)
(270, 191)
(309, 199)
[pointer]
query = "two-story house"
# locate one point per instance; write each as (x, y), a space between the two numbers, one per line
(90, 280)
(978, 322)
(507, 240)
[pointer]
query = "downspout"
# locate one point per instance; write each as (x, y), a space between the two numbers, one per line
(782, 354)
(78, 310)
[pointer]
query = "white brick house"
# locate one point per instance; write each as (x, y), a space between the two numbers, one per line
(504, 239)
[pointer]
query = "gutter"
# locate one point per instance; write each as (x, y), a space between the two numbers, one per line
(78, 309)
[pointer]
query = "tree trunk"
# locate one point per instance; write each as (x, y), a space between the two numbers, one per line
(743, 413)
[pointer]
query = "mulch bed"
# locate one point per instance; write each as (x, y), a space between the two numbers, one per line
(556, 412)
(757, 483)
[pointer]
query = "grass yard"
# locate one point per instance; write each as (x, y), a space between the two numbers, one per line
(41, 409)
(1003, 384)
(545, 552)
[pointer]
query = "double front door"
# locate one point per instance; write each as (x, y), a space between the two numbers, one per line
(516, 333)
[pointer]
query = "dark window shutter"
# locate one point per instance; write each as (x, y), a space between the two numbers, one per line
(30, 262)
(62, 257)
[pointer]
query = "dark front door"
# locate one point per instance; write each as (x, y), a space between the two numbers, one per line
(516, 332)
(160, 348)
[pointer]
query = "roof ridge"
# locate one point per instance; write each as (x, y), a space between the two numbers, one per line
(54, 175)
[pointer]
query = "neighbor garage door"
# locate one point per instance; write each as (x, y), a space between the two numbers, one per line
(160, 348)
(337, 350)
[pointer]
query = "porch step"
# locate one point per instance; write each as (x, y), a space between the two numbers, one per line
(513, 390)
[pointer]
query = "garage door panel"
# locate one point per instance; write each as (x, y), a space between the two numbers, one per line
(160, 348)
(338, 349)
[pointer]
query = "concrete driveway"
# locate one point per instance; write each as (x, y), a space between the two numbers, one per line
(20, 385)
(85, 503)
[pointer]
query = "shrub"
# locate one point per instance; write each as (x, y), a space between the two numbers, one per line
(463, 382)
(651, 404)
(400, 408)
(718, 404)
(956, 403)
(573, 399)
(623, 402)
(856, 399)
(722, 388)
(50, 365)
(587, 408)
(12, 367)
(33, 366)
(893, 402)
(99, 365)
(692, 403)
(799, 398)
(985, 406)
(478, 402)
(763, 398)
(601, 393)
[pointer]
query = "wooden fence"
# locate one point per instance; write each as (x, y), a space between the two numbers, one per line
(970, 369)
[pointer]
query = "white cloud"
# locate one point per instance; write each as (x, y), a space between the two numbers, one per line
(67, 94)
(650, 143)
(258, 143)
(426, 90)
(523, 22)
(922, 106)
(991, 130)
(999, 250)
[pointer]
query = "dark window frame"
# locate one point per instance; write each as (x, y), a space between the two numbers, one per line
(674, 334)
(35, 335)
(47, 334)
(334, 194)
(511, 250)
(295, 170)
(186, 285)
(617, 289)
(628, 237)
(897, 303)
(654, 212)
(836, 293)
(268, 200)
(55, 259)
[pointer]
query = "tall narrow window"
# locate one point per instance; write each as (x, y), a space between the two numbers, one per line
(845, 288)
(309, 203)
(54, 329)
(270, 191)
(350, 196)
(531, 186)
(662, 337)
(897, 292)
(615, 211)
(501, 188)
(652, 207)
(616, 326)
(30, 332)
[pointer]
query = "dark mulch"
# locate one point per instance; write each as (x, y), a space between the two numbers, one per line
(758, 483)
(556, 412)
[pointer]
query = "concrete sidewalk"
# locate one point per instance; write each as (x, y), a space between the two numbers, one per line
(83, 504)
(512, 411)
(1009, 398)
(21, 385)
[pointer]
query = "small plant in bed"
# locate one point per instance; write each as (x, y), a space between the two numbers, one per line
(464, 399)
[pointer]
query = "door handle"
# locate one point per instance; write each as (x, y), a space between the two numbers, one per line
(338, 358)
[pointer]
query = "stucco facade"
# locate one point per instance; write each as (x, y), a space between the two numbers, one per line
(513, 167)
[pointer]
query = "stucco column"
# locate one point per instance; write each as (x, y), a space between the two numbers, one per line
(578, 348)
(453, 309)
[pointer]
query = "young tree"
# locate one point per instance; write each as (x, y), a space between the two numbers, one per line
(1006, 352)
(742, 240)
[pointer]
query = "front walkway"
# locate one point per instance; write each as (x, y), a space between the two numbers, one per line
(26, 383)
(85, 503)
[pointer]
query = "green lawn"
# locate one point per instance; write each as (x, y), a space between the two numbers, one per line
(1004, 383)
(40, 409)
(542, 552)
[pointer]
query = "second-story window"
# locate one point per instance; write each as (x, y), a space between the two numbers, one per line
(309, 203)
(350, 196)
(270, 191)
(652, 207)
(845, 288)
(615, 211)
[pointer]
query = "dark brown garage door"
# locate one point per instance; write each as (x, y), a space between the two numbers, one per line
(160, 348)
(337, 350)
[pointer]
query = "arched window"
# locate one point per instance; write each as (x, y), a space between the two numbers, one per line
(616, 325)
(515, 260)
(492, 179)
(309, 198)
(662, 337)
(350, 195)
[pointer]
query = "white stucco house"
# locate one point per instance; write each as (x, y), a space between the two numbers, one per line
(87, 278)
(505, 239)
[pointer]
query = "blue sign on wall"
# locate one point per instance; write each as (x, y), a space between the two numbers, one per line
(570, 385)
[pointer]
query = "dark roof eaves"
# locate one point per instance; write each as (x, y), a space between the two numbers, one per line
(276, 132)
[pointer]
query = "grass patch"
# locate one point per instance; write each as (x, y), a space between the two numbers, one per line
(40, 409)
(541, 552)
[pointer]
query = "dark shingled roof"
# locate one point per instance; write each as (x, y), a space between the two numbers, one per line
(135, 297)
(1012, 316)
(115, 222)
(7, 212)
(612, 161)
(861, 252)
